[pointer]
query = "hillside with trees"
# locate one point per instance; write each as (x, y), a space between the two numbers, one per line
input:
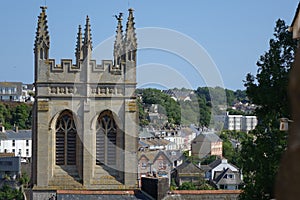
(16, 114)
(196, 108)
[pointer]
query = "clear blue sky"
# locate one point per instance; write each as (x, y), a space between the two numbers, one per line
(234, 33)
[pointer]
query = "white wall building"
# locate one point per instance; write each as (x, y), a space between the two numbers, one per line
(17, 142)
(240, 123)
(233, 122)
(249, 123)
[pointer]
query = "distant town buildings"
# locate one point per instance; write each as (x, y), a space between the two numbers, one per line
(179, 95)
(16, 91)
(243, 123)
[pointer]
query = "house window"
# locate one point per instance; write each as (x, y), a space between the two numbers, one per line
(13, 143)
(20, 152)
(27, 152)
(162, 165)
(144, 165)
(106, 139)
(27, 143)
(14, 151)
(66, 138)
(231, 176)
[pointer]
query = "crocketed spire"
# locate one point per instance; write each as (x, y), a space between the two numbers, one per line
(87, 42)
(42, 38)
(130, 37)
(78, 50)
(119, 43)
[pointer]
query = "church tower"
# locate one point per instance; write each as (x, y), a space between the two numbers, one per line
(85, 123)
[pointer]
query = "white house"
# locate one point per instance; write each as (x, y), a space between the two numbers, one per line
(16, 141)
(224, 175)
(16, 91)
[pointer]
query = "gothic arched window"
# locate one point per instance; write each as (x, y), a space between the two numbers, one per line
(66, 139)
(106, 139)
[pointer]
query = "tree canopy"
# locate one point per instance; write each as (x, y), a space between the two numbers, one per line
(15, 113)
(260, 156)
(196, 110)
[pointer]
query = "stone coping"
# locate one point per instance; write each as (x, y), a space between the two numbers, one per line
(103, 192)
(199, 192)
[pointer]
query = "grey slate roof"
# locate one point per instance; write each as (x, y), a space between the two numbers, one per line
(174, 154)
(10, 164)
(207, 136)
(222, 179)
(145, 134)
(188, 167)
(215, 163)
(12, 135)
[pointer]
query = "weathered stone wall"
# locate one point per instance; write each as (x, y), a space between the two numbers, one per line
(204, 194)
(43, 195)
(138, 194)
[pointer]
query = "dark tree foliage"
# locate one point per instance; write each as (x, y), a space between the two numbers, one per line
(167, 105)
(268, 89)
(14, 113)
(8, 193)
(143, 116)
(235, 112)
(241, 95)
(230, 97)
(187, 186)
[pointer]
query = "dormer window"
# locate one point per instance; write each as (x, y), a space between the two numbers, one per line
(229, 176)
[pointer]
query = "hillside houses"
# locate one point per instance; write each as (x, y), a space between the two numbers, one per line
(179, 95)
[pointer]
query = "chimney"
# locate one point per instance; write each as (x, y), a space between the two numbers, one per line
(16, 129)
(2, 128)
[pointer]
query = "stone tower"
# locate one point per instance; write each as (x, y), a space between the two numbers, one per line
(85, 117)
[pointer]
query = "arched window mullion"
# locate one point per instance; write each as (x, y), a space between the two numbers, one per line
(66, 139)
(106, 139)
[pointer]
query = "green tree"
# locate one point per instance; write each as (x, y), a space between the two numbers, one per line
(241, 95)
(187, 186)
(209, 159)
(143, 116)
(230, 97)
(268, 89)
(235, 112)
(8, 193)
(24, 180)
(167, 105)
(22, 116)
